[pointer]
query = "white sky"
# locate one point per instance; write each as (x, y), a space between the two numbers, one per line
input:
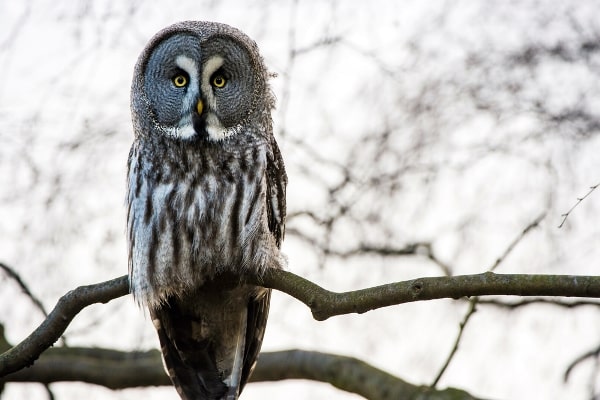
(65, 133)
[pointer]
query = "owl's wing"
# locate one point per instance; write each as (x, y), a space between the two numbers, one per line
(258, 311)
(258, 307)
(276, 185)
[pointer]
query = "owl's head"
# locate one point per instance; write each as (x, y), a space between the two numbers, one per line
(199, 80)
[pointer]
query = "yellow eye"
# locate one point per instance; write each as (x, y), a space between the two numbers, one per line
(180, 80)
(219, 81)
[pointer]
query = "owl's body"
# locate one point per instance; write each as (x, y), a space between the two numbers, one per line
(206, 198)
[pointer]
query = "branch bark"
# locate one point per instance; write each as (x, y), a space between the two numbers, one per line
(323, 303)
(119, 370)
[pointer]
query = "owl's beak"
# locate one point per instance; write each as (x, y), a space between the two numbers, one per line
(199, 120)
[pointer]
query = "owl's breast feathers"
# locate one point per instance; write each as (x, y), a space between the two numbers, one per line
(195, 210)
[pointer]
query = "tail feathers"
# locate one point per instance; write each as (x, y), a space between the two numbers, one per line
(190, 365)
(210, 343)
(234, 380)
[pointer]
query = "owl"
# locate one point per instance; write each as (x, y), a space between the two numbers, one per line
(205, 202)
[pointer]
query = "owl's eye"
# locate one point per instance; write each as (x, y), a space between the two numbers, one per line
(180, 80)
(219, 81)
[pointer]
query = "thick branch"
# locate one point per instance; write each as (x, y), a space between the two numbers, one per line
(69, 305)
(323, 303)
(118, 370)
(348, 374)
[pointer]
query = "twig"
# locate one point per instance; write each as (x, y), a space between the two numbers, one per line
(528, 302)
(411, 249)
(578, 360)
(17, 278)
(49, 392)
(579, 200)
(516, 241)
(384, 251)
(474, 300)
(471, 311)
(447, 269)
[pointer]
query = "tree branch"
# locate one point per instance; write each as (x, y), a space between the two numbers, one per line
(68, 306)
(119, 370)
(323, 303)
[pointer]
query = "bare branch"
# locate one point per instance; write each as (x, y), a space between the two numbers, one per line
(119, 370)
(323, 303)
(49, 392)
(105, 367)
(17, 278)
(527, 302)
(472, 309)
(579, 200)
(516, 241)
(589, 354)
(69, 305)
(410, 249)
(475, 300)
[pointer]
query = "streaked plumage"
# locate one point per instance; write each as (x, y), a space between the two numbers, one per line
(206, 195)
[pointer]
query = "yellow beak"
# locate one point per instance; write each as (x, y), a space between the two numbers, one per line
(200, 107)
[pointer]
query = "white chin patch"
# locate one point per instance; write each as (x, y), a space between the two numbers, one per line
(183, 132)
(186, 131)
(216, 131)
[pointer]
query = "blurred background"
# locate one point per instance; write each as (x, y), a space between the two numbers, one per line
(448, 124)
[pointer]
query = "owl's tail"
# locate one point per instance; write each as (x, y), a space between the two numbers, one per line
(211, 338)
(189, 357)
(233, 381)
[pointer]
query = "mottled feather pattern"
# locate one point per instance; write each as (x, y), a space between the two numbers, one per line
(204, 208)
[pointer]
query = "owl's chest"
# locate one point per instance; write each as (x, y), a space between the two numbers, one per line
(212, 203)
(197, 208)
(218, 192)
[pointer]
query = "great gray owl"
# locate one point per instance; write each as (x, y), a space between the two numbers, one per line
(206, 200)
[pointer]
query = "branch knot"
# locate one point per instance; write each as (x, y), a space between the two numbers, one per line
(416, 287)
